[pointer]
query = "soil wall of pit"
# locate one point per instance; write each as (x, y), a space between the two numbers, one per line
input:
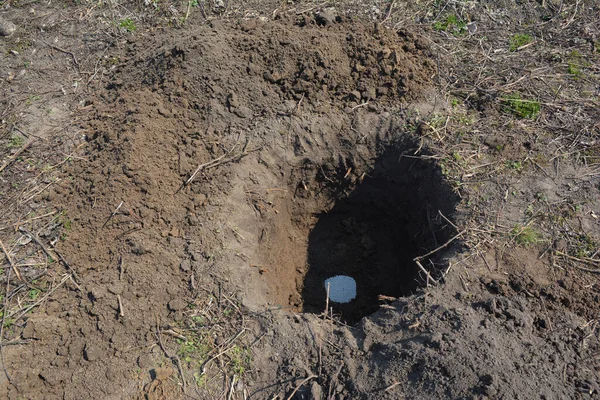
(374, 232)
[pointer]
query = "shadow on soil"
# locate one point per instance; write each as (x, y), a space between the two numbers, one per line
(374, 234)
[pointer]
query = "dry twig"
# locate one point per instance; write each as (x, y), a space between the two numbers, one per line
(427, 274)
(113, 214)
(5, 311)
(227, 348)
(73, 275)
(453, 238)
(174, 358)
(223, 159)
(65, 52)
(41, 300)
(389, 12)
(14, 156)
(327, 300)
(291, 396)
(10, 262)
(584, 260)
(121, 310)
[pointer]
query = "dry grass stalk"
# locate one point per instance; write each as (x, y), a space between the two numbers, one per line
(308, 378)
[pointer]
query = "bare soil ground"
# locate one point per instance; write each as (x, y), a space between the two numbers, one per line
(177, 180)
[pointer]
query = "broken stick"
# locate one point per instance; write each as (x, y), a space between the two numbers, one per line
(14, 156)
(121, 311)
(113, 214)
(10, 262)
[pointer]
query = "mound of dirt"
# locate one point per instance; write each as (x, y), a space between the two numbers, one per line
(211, 155)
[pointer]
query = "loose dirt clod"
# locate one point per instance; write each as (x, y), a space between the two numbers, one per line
(7, 28)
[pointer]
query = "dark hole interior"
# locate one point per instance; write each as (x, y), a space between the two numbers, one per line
(374, 234)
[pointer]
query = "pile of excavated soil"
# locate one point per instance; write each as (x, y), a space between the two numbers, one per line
(261, 159)
(271, 110)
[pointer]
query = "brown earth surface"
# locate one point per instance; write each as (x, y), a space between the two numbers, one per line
(178, 180)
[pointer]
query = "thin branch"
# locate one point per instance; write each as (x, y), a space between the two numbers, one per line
(291, 396)
(14, 156)
(429, 278)
(65, 52)
(6, 299)
(10, 262)
(40, 301)
(453, 238)
(173, 358)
